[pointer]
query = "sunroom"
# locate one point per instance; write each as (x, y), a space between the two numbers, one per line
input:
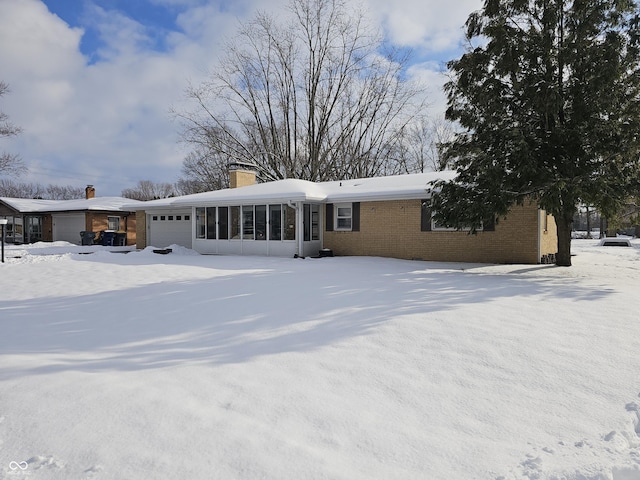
(274, 228)
(280, 218)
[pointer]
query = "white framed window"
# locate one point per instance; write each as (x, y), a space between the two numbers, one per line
(113, 223)
(436, 227)
(428, 223)
(343, 216)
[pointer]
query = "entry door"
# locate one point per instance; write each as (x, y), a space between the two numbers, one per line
(33, 228)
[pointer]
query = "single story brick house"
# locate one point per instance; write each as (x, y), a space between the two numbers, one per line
(35, 220)
(383, 216)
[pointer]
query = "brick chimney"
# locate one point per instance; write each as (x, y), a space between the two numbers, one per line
(89, 192)
(240, 177)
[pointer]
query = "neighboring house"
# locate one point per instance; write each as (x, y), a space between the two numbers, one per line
(383, 216)
(34, 220)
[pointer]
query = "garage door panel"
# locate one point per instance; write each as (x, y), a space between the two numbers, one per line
(169, 228)
(67, 228)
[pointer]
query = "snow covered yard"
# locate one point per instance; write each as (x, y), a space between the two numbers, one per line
(144, 366)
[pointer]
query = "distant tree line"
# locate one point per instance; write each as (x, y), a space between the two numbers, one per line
(10, 188)
(148, 190)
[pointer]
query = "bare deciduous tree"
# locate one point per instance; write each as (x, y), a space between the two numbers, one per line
(57, 192)
(313, 96)
(204, 169)
(148, 190)
(10, 164)
(420, 145)
(9, 188)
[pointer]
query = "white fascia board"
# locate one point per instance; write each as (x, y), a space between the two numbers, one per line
(167, 208)
(150, 204)
(379, 196)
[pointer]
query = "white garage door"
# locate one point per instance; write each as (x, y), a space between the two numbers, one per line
(169, 228)
(67, 227)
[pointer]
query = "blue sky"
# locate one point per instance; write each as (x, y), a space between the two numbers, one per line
(156, 19)
(92, 81)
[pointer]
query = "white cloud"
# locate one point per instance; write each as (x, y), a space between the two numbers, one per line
(432, 25)
(105, 120)
(105, 123)
(121, 35)
(35, 42)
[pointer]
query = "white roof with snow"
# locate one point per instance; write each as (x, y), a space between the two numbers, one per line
(27, 205)
(396, 187)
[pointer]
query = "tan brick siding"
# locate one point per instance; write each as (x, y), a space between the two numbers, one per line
(392, 229)
(96, 222)
(241, 178)
(132, 229)
(548, 236)
(47, 228)
(141, 229)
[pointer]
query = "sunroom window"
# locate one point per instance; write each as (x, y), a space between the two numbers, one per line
(248, 232)
(311, 222)
(211, 223)
(201, 222)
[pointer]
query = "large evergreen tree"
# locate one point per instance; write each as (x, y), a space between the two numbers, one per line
(549, 104)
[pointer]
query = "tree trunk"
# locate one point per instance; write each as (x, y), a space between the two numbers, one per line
(564, 223)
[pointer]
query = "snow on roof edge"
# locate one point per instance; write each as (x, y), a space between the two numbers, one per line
(394, 187)
(28, 205)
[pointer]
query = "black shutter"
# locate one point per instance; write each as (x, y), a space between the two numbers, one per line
(355, 217)
(489, 225)
(329, 217)
(425, 216)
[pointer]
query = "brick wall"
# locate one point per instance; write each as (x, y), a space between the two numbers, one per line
(392, 229)
(132, 229)
(96, 222)
(241, 178)
(548, 235)
(141, 229)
